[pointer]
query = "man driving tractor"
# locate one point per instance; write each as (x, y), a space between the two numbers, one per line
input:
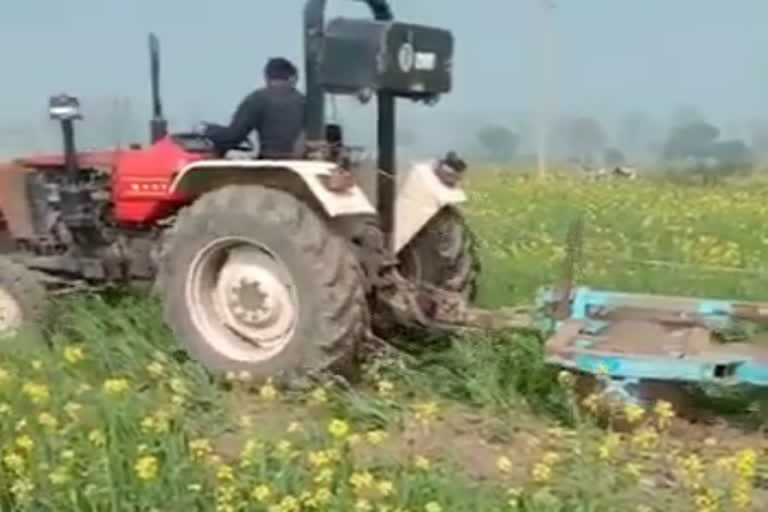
(275, 112)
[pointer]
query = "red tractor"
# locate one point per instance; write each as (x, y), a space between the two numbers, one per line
(264, 267)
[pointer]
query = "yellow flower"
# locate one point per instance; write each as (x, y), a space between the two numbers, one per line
(503, 464)
(4, 408)
(284, 446)
(421, 462)
(550, 458)
(59, 476)
(74, 354)
(97, 438)
(268, 391)
(72, 409)
(385, 388)
(225, 473)
(746, 462)
(319, 396)
(322, 496)
(25, 443)
(664, 411)
(47, 420)
(385, 487)
(742, 494)
(14, 462)
(115, 386)
(338, 428)
(646, 439)
(324, 476)
(178, 386)
(156, 369)
(261, 493)
(361, 481)
(363, 505)
(376, 436)
(294, 427)
(146, 467)
(200, 448)
(426, 411)
(633, 469)
(37, 393)
(566, 379)
(541, 472)
(433, 506)
(609, 445)
(634, 413)
(289, 504)
(37, 364)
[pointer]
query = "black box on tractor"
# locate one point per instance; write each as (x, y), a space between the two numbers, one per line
(406, 59)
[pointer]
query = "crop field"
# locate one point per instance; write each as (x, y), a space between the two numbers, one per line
(112, 417)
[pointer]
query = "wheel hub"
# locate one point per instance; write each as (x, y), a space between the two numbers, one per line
(11, 317)
(253, 299)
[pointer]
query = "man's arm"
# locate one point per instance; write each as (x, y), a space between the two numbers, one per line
(246, 119)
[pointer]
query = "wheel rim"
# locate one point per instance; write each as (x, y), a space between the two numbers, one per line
(11, 317)
(242, 299)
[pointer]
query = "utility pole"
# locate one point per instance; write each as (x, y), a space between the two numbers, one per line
(544, 34)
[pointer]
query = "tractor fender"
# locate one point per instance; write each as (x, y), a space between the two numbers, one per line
(199, 177)
(420, 195)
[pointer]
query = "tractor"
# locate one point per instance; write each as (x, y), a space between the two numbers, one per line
(263, 267)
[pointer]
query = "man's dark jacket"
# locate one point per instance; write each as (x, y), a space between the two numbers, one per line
(275, 112)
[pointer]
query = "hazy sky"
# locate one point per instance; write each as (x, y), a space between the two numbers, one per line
(609, 55)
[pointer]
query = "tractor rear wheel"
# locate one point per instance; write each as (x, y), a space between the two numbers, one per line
(23, 302)
(254, 281)
(443, 254)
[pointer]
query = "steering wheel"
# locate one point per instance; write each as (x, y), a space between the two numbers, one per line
(246, 145)
(201, 128)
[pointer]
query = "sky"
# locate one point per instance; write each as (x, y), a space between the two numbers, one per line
(602, 57)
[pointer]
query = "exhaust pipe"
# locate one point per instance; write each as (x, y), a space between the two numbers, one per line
(158, 126)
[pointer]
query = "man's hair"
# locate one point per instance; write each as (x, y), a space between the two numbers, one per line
(279, 68)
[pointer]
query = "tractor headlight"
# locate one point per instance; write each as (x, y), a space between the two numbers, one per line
(64, 107)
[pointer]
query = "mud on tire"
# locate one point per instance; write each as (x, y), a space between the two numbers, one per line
(23, 302)
(326, 284)
(443, 254)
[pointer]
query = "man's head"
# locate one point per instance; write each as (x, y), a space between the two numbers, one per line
(280, 70)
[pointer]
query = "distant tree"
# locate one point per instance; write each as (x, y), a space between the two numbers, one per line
(634, 131)
(582, 136)
(759, 137)
(733, 154)
(499, 142)
(692, 140)
(685, 115)
(613, 157)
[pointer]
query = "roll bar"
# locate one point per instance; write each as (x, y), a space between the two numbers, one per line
(314, 27)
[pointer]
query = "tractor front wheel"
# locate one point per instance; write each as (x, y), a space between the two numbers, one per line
(254, 281)
(23, 302)
(443, 255)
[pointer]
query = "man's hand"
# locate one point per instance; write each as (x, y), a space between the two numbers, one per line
(201, 128)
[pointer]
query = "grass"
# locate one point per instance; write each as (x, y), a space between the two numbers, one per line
(115, 418)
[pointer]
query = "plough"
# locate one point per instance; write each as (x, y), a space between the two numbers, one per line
(635, 344)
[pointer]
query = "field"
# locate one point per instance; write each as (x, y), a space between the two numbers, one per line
(113, 418)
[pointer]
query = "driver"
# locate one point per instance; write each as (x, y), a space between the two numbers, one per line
(275, 112)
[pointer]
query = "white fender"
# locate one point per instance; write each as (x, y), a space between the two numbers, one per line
(350, 202)
(420, 195)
